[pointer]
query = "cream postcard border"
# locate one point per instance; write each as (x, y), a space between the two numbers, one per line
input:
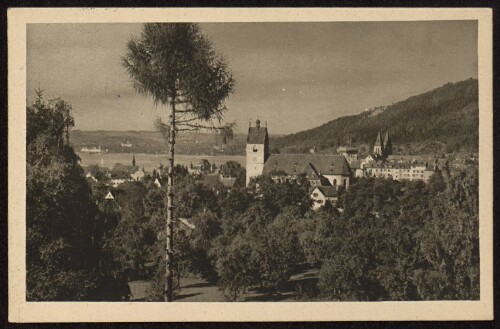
(22, 311)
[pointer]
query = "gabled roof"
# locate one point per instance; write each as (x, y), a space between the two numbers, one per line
(228, 181)
(257, 135)
(212, 180)
(309, 164)
(328, 191)
(120, 175)
(375, 156)
(138, 174)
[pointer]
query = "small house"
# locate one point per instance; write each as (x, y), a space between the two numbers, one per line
(321, 194)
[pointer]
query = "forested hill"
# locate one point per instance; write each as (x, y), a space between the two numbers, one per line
(445, 119)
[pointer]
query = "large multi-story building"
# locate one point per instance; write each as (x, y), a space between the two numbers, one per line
(381, 163)
(400, 171)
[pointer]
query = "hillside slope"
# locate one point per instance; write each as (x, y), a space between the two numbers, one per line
(445, 119)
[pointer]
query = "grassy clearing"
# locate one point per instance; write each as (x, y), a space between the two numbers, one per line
(301, 287)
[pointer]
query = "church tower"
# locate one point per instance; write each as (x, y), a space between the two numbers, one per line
(378, 148)
(387, 145)
(257, 150)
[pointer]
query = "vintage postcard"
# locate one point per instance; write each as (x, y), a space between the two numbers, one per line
(250, 164)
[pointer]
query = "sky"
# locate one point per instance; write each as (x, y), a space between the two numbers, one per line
(295, 76)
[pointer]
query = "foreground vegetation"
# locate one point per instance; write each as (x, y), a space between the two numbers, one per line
(390, 241)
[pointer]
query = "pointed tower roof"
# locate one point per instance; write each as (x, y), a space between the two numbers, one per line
(379, 140)
(386, 139)
(257, 134)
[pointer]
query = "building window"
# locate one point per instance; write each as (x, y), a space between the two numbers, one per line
(315, 194)
(334, 182)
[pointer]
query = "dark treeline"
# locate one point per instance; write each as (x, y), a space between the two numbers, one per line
(67, 256)
(441, 120)
(384, 240)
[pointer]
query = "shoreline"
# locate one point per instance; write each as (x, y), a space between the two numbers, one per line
(152, 161)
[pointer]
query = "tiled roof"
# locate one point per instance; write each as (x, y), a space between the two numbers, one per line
(257, 135)
(295, 164)
(328, 191)
(355, 164)
(212, 180)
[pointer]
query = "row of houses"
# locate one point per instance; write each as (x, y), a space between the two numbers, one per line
(328, 172)
(120, 174)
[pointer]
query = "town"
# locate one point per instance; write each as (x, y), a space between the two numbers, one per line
(326, 173)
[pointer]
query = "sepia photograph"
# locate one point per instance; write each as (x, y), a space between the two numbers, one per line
(279, 162)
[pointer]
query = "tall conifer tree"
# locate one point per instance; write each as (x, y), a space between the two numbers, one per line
(176, 65)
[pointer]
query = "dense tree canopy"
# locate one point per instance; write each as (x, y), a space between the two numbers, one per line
(383, 240)
(64, 255)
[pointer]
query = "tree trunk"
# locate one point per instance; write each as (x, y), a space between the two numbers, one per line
(169, 274)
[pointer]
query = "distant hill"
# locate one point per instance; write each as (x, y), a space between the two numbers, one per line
(153, 142)
(445, 119)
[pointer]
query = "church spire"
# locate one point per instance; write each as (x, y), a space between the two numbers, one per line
(379, 140)
(386, 138)
(387, 144)
(378, 148)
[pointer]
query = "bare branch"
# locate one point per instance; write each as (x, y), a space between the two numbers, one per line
(185, 129)
(182, 121)
(185, 111)
(200, 126)
(162, 128)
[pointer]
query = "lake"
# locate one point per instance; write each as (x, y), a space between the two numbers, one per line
(152, 161)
